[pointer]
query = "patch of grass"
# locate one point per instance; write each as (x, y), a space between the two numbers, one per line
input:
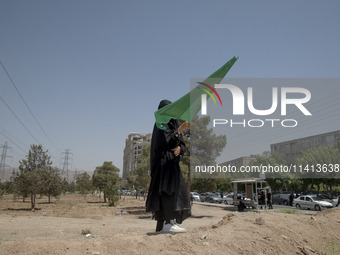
(96, 217)
(77, 216)
(86, 231)
(332, 249)
(288, 211)
(335, 248)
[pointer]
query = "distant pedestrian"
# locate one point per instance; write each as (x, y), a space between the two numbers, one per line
(261, 199)
(291, 198)
(191, 199)
(269, 200)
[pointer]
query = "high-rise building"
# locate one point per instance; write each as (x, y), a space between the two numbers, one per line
(293, 149)
(242, 161)
(133, 147)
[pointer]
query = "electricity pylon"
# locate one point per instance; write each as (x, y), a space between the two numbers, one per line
(66, 164)
(3, 159)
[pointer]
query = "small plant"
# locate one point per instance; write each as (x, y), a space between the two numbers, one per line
(86, 232)
(78, 216)
(96, 217)
(289, 211)
(333, 249)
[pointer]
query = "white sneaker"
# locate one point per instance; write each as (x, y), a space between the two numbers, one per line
(179, 229)
(172, 222)
(169, 228)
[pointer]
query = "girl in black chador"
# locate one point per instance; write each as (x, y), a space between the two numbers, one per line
(168, 198)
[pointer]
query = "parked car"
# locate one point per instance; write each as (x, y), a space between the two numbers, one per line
(213, 198)
(335, 201)
(220, 194)
(311, 202)
(210, 197)
(196, 196)
(324, 197)
(203, 196)
(229, 199)
(281, 199)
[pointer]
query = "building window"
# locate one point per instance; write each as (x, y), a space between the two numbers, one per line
(330, 138)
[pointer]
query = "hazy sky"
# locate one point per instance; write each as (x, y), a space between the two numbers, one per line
(91, 72)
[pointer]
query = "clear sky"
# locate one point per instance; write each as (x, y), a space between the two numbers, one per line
(91, 72)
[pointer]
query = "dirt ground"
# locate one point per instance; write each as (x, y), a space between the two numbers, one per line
(56, 228)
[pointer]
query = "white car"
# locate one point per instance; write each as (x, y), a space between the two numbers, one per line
(196, 196)
(229, 199)
(310, 202)
(335, 201)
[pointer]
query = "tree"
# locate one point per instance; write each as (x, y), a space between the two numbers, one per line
(84, 183)
(224, 185)
(8, 186)
(203, 148)
(52, 183)
(30, 181)
(106, 179)
(322, 159)
(19, 187)
(204, 185)
(278, 181)
(2, 189)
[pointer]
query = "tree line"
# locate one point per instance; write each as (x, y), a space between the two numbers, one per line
(37, 177)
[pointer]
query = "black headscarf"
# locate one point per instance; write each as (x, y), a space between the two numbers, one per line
(163, 103)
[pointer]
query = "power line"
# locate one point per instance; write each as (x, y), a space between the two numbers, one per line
(10, 109)
(11, 140)
(29, 109)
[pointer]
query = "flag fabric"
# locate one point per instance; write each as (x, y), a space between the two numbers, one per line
(189, 105)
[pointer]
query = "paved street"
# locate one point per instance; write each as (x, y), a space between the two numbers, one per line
(234, 208)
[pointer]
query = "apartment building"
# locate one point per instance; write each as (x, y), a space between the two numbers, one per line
(133, 147)
(293, 149)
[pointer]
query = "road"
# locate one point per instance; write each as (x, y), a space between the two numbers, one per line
(275, 207)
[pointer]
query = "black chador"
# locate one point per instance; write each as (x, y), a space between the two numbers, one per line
(168, 197)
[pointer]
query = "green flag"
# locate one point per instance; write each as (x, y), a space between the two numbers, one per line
(189, 105)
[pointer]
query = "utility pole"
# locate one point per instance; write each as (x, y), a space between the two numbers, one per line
(66, 164)
(3, 160)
